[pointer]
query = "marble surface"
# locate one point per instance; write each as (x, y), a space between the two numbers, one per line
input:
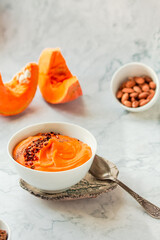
(96, 37)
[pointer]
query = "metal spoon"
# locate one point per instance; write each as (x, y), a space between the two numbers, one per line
(101, 170)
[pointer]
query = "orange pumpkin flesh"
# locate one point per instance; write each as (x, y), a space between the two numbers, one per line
(16, 95)
(56, 82)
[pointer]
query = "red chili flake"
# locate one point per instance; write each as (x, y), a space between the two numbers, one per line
(36, 145)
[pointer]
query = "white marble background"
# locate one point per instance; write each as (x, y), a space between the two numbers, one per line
(96, 37)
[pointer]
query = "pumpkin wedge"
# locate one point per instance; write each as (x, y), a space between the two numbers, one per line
(56, 82)
(15, 96)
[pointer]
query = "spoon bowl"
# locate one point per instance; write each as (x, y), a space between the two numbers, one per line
(101, 170)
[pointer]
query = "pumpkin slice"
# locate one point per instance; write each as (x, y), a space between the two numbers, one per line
(15, 96)
(56, 82)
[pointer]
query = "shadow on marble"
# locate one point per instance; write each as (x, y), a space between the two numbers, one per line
(4, 25)
(103, 207)
(2, 28)
(150, 114)
(30, 110)
(76, 107)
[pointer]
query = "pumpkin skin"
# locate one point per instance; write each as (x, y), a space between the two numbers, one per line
(15, 96)
(56, 82)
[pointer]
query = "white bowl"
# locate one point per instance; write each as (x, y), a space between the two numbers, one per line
(53, 181)
(4, 226)
(131, 70)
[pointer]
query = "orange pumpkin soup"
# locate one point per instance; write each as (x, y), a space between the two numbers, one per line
(51, 152)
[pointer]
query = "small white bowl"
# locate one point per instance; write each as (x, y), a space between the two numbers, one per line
(53, 181)
(4, 226)
(131, 70)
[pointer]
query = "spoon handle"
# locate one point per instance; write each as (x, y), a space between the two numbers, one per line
(150, 208)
